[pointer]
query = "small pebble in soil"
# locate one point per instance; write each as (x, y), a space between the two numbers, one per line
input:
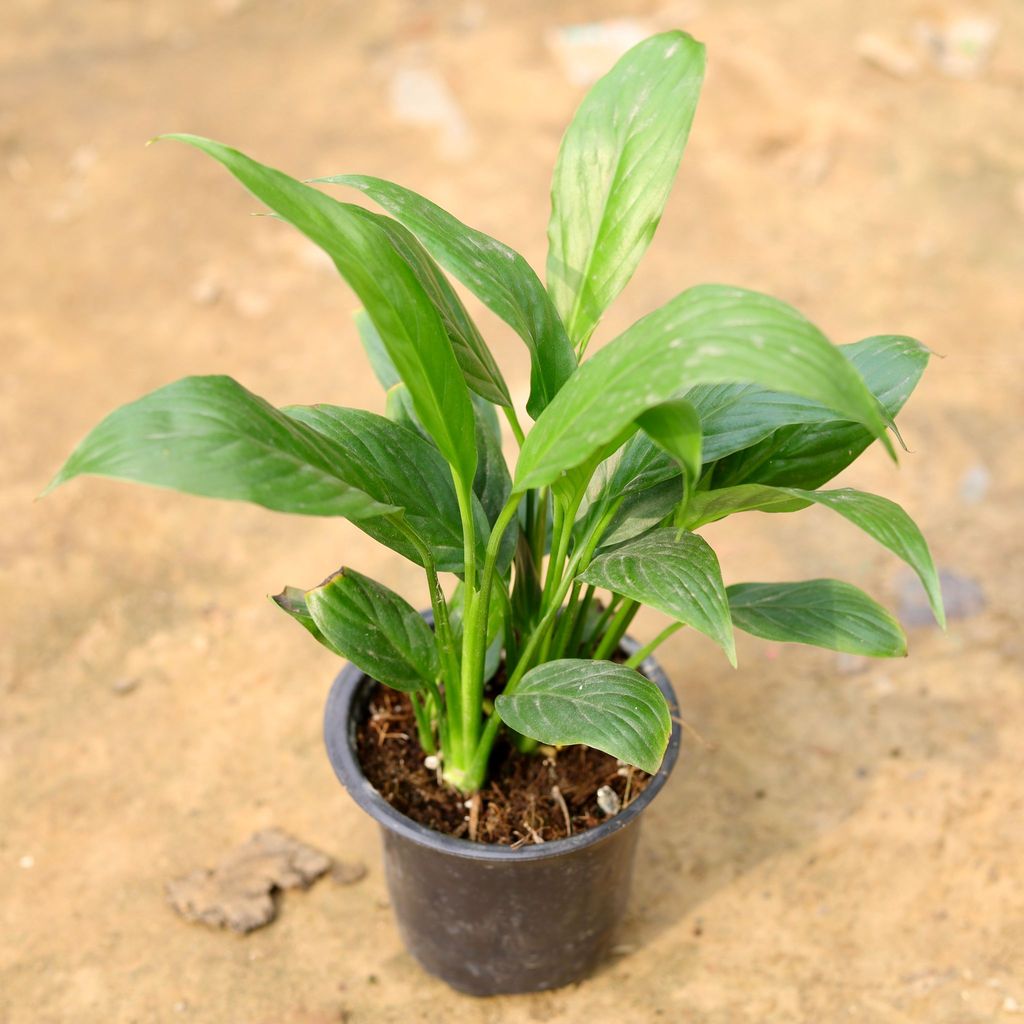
(125, 686)
(608, 800)
(347, 872)
(26, 862)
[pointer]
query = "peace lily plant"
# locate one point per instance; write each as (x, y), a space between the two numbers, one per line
(720, 402)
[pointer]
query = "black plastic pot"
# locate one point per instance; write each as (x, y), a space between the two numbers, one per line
(488, 919)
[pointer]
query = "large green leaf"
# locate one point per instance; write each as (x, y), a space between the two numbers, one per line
(641, 511)
(410, 327)
(808, 449)
(637, 467)
(380, 362)
(822, 613)
(675, 572)
(492, 484)
(399, 409)
(675, 427)
(496, 274)
(395, 465)
(375, 629)
(471, 352)
(878, 517)
(890, 525)
(710, 506)
(212, 437)
(707, 334)
(604, 705)
(614, 173)
(293, 601)
(640, 464)
(735, 416)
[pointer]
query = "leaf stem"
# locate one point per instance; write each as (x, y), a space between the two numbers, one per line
(474, 631)
(448, 708)
(616, 628)
(469, 710)
(635, 660)
(513, 422)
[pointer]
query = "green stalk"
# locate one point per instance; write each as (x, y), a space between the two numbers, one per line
(604, 618)
(448, 708)
(438, 705)
(559, 547)
(477, 769)
(423, 723)
(635, 660)
(556, 647)
(474, 633)
(469, 708)
(513, 422)
(619, 624)
(540, 527)
(579, 621)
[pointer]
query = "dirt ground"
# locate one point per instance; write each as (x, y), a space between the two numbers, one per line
(847, 842)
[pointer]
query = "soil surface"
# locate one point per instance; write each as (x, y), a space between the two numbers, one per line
(530, 798)
(843, 843)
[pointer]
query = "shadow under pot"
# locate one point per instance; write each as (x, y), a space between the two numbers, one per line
(487, 919)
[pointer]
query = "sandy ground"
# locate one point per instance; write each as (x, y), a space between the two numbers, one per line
(846, 845)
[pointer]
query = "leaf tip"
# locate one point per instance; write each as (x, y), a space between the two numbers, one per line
(60, 477)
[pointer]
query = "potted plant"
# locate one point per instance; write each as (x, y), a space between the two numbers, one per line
(722, 401)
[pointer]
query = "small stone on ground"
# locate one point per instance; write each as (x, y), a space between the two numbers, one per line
(239, 893)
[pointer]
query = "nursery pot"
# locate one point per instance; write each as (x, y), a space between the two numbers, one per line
(489, 919)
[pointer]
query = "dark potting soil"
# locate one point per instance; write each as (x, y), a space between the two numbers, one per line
(530, 798)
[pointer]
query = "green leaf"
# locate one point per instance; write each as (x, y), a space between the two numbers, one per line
(211, 437)
(710, 506)
(471, 352)
(604, 705)
(878, 517)
(822, 613)
(642, 511)
(890, 525)
(398, 467)
(736, 416)
(675, 427)
(492, 484)
(811, 449)
(496, 274)
(636, 467)
(293, 601)
(380, 362)
(375, 629)
(640, 464)
(614, 173)
(410, 327)
(399, 409)
(674, 572)
(707, 334)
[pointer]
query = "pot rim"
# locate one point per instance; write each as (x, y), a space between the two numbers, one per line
(339, 730)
